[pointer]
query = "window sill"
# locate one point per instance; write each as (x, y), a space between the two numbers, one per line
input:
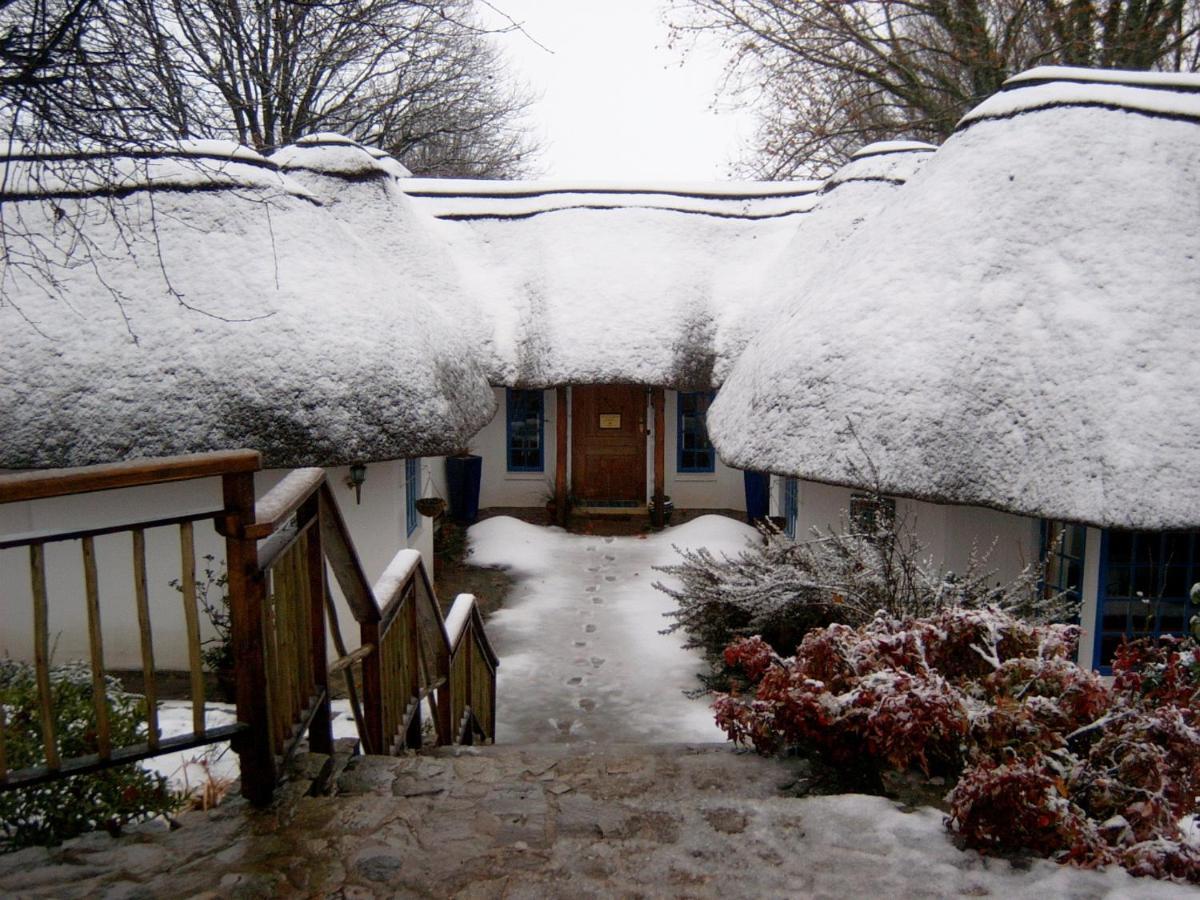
(524, 476)
(696, 476)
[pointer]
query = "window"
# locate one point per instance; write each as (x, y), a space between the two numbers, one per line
(412, 489)
(1063, 556)
(791, 487)
(869, 513)
(693, 451)
(526, 430)
(1145, 583)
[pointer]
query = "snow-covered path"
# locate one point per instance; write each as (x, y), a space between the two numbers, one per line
(581, 657)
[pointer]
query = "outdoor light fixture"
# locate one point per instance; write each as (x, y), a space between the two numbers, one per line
(358, 474)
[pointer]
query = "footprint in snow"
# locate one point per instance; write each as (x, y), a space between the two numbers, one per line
(593, 568)
(597, 662)
(590, 589)
(581, 643)
(609, 558)
(597, 600)
(576, 680)
(608, 540)
(589, 628)
(610, 577)
(587, 703)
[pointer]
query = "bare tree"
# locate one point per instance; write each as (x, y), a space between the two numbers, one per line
(831, 75)
(420, 78)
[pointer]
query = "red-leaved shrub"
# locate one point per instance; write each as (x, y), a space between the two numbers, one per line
(1051, 760)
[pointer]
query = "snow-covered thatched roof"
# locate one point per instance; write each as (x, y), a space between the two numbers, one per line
(198, 299)
(594, 283)
(1017, 328)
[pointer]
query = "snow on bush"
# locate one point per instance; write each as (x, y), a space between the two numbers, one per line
(781, 588)
(1050, 759)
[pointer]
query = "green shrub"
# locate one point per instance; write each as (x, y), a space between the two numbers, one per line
(50, 813)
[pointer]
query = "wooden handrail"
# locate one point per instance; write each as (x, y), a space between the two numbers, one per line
(44, 483)
(281, 502)
(279, 552)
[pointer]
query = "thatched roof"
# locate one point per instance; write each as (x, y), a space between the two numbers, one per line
(1017, 328)
(626, 283)
(201, 300)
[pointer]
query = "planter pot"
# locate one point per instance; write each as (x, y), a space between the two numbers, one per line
(668, 508)
(758, 495)
(463, 474)
(431, 507)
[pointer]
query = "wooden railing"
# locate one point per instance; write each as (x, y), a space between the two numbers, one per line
(279, 551)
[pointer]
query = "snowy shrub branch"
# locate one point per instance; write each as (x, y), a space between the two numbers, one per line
(781, 588)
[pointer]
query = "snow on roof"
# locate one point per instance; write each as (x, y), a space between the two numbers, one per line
(1016, 328)
(237, 316)
(628, 284)
(183, 165)
(850, 196)
(463, 199)
(382, 216)
(330, 155)
(388, 162)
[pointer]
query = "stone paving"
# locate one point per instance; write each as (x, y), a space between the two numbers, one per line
(546, 821)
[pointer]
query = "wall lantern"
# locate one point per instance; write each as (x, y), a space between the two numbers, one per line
(358, 474)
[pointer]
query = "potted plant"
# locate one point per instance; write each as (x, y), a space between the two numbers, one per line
(464, 471)
(431, 507)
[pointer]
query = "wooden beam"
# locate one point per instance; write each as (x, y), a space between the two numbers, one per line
(660, 454)
(247, 595)
(560, 456)
(37, 485)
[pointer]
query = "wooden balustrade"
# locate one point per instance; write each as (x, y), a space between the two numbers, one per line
(472, 673)
(281, 609)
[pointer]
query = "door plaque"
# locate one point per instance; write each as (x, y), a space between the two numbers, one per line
(610, 420)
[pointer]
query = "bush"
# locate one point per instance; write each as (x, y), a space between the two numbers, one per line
(1051, 760)
(780, 589)
(51, 813)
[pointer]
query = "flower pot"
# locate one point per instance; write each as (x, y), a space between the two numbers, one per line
(463, 474)
(431, 507)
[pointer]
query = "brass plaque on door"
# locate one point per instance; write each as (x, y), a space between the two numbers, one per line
(610, 420)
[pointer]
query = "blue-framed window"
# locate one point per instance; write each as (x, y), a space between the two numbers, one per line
(791, 490)
(693, 452)
(412, 490)
(1145, 585)
(526, 430)
(1064, 548)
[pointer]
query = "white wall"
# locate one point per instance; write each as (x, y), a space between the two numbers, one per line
(377, 527)
(722, 489)
(498, 486)
(949, 533)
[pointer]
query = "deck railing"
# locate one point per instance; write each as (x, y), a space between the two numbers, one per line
(279, 551)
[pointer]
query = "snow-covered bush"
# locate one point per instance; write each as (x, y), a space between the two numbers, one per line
(780, 588)
(50, 813)
(1051, 760)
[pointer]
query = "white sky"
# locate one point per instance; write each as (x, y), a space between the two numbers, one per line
(616, 103)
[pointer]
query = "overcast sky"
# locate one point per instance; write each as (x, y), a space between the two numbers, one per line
(616, 103)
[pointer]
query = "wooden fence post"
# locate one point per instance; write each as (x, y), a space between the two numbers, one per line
(320, 731)
(247, 594)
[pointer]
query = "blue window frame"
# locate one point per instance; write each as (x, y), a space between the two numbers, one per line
(526, 430)
(1145, 585)
(693, 452)
(791, 488)
(412, 489)
(1063, 557)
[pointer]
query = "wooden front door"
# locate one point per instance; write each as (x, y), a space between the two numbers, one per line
(608, 437)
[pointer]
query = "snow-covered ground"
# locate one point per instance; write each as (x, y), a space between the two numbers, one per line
(192, 770)
(581, 657)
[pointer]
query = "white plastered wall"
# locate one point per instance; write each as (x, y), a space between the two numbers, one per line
(500, 487)
(723, 488)
(377, 526)
(950, 534)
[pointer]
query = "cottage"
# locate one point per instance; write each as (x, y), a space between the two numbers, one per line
(978, 329)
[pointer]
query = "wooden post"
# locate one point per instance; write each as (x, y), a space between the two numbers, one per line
(320, 732)
(660, 453)
(560, 457)
(372, 677)
(247, 593)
